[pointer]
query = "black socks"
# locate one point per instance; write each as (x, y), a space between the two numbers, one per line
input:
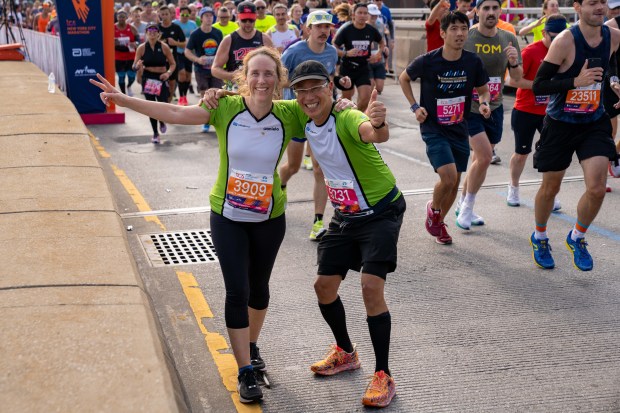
(380, 327)
(335, 317)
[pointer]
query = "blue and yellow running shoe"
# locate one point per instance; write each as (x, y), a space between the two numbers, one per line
(541, 252)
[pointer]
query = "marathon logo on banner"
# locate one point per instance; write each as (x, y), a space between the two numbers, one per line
(81, 37)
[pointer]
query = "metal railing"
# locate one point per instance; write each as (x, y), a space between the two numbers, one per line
(45, 52)
(416, 13)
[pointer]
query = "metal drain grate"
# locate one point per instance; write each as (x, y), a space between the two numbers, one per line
(179, 248)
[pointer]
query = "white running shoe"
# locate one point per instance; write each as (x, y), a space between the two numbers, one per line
(463, 220)
(495, 159)
(556, 204)
(614, 169)
(513, 196)
(476, 220)
(307, 162)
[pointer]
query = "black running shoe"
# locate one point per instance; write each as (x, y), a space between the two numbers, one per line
(255, 359)
(249, 390)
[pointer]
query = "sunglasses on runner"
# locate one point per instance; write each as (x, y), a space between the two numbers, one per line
(247, 21)
(184, 14)
(310, 90)
(261, 8)
(152, 30)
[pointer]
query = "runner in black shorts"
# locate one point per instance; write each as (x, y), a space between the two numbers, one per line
(529, 110)
(157, 61)
(448, 76)
(363, 233)
(173, 36)
(576, 122)
(357, 39)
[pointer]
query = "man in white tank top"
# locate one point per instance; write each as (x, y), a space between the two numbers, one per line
(282, 34)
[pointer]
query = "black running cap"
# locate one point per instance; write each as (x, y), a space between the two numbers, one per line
(309, 70)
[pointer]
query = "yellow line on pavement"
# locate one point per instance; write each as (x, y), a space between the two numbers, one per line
(216, 343)
(97, 145)
(225, 362)
(138, 199)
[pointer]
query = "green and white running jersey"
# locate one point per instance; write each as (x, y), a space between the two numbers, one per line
(356, 176)
(248, 187)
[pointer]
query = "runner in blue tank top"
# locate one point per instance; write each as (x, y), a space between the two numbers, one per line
(576, 122)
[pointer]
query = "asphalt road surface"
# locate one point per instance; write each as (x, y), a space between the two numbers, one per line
(476, 326)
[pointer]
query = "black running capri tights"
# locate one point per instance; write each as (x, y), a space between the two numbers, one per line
(247, 252)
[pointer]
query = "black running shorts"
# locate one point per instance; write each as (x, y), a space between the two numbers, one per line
(370, 245)
(560, 140)
(524, 125)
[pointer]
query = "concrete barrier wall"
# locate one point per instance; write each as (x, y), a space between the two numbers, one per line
(78, 333)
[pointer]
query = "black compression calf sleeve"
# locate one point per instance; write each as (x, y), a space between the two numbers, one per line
(335, 317)
(544, 84)
(380, 328)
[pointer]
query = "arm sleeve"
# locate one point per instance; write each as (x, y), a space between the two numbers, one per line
(390, 24)
(544, 84)
(613, 65)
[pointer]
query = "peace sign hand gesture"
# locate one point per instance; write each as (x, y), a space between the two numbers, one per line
(110, 94)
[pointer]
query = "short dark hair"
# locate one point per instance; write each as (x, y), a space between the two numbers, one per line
(359, 6)
(556, 17)
(164, 7)
(184, 8)
(452, 18)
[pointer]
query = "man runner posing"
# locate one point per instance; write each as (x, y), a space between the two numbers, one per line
(448, 76)
(364, 230)
(576, 122)
(498, 50)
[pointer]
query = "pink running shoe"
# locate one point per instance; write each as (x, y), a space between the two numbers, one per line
(433, 220)
(443, 238)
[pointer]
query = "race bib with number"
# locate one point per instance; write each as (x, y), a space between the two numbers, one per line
(209, 62)
(495, 84)
(153, 87)
(451, 111)
(249, 191)
(123, 41)
(542, 99)
(583, 99)
(342, 195)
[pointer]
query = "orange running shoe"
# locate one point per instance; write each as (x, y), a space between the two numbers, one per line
(337, 360)
(380, 391)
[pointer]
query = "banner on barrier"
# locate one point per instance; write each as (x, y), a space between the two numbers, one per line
(81, 36)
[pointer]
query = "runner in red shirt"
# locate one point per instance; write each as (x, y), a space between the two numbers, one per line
(439, 8)
(125, 36)
(529, 110)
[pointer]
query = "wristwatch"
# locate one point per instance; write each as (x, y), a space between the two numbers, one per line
(513, 67)
(484, 103)
(613, 79)
(415, 107)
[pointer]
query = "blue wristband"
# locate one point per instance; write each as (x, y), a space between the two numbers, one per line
(415, 107)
